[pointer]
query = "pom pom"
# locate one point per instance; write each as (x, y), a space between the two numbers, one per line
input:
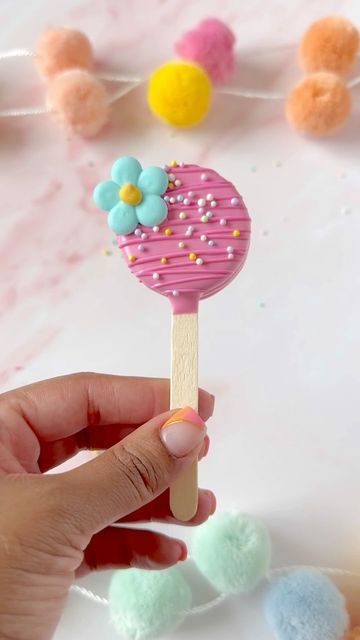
(59, 48)
(146, 604)
(179, 93)
(79, 101)
(210, 44)
(232, 551)
(319, 104)
(305, 605)
(354, 634)
(329, 44)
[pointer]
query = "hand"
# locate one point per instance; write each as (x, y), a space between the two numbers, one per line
(55, 527)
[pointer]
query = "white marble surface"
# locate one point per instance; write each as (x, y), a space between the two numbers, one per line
(280, 347)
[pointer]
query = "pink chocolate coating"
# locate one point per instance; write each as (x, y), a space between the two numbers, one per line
(161, 264)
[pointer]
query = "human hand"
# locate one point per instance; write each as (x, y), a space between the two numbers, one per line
(55, 527)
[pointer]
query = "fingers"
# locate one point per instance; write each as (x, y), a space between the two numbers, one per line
(159, 510)
(130, 474)
(60, 407)
(123, 548)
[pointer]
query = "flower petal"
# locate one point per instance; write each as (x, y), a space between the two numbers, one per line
(152, 210)
(106, 194)
(122, 218)
(126, 169)
(153, 180)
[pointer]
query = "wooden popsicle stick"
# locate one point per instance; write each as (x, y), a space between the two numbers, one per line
(184, 393)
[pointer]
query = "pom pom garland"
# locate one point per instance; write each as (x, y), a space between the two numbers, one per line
(232, 551)
(329, 44)
(144, 604)
(300, 603)
(305, 605)
(179, 92)
(211, 45)
(79, 101)
(59, 49)
(319, 104)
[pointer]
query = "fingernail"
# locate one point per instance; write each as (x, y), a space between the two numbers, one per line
(182, 552)
(205, 448)
(184, 431)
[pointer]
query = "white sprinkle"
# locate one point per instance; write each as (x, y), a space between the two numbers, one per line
(209, 214)
(166, 198)
(211, 243)
(181, 164)
(230, 256)
(203, 238)
(209, 196)
(165, 166)
(199, 261)
(186, 201)
(190, 194)
(156, 229)
(230, 249)
(172, 200)
(182, 215)
(143, 236)
(175, 292)
(177, 182)
(188, 233)
(222, 222)
(137, 232)
(234, 201)
(181, 245)
(201, 210)
(201, 202)
(180, 197)
(190, 228)
(171, 177)
(204, 176)
(213, 203)
(156, 276)
(140, 247)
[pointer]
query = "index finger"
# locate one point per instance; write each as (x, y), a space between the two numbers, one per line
(62, 406)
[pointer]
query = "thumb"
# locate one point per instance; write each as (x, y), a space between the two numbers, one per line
(133, 472)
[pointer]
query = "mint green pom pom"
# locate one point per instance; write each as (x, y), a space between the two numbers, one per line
(147, 604)
(232, 551)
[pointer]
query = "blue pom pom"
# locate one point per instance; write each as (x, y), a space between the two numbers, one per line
(232, 551)
(146, 604)
(306, 605)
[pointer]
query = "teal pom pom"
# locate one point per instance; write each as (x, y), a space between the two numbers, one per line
(232, 551)
(146, 604)
(305, 605)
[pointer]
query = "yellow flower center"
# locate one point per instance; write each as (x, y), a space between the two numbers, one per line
(130, 194)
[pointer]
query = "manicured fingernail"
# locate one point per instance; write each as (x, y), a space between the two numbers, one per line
(205, 448)
(184, 431)
(182, 551)
(212, 501)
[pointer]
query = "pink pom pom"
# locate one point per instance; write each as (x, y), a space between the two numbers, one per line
(79, 102)
(210, 44)
(60, 48)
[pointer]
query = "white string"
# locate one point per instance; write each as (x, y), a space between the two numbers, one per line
(212, 604)
(249, 93)
(118, 77)
(16, 53)
(123, 91)
(354, 82)
(30, 111)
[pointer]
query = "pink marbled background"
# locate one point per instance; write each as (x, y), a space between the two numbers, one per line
(284, 337)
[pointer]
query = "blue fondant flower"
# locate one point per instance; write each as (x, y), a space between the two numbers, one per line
(133, 195)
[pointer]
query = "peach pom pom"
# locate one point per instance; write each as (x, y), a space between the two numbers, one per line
(354, 634)
(210, 44)
(79, 101)
(60, 48)
(330, 44)
(319, 104)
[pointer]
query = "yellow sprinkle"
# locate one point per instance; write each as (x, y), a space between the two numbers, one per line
(171, 185)
(131, 258)
(168, 232)
(163, 260)
(204, 219)
(173, 163)
(192, 256)
(236, 233)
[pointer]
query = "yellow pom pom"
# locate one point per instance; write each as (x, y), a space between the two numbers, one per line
(179, 92)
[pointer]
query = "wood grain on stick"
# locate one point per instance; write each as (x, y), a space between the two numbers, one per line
(184, 393)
